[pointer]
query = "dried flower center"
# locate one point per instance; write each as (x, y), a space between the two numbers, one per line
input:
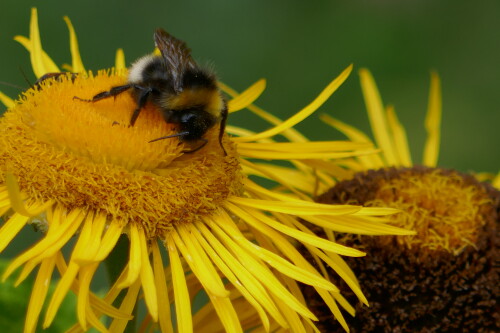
(446, 208)
(86, 155)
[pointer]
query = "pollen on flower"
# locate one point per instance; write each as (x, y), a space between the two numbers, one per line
(85, 154)
(446, 208)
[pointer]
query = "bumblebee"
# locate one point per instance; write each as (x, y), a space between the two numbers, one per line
(186, 94)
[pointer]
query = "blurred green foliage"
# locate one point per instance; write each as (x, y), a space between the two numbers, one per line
(299, 46)
(14, 305)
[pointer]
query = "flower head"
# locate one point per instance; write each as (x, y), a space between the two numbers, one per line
(75, 168)
(443, 278)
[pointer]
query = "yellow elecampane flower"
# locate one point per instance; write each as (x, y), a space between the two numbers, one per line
(450, 260)
(77, 170)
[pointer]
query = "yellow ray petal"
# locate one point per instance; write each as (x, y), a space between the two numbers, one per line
(399, 138)
(217, 252)
(45, 57)
(76, 60)
(53, 241)
(103, 306)
(356, 225)
(181, 294)
(255, 288)
(9, 230)
(260, 271)
(108, 242)
(292, 179)
(41, 64)
(38, 294)
(148, 279)
(97, 224)
(247, 97)
(295, 207)
(198, 262)
(85, 278)
(344, 275)
(120, 64)
(134, 262)
(370, 161)
(291, 133)
(60, 292)
(127, 306)
(304, 113)
(310, 147)
(6, 100)
(376, 115)
(161, 286)
(253, 217)
(433, 123)
(496, 181)
(250, 152)
(16, 198)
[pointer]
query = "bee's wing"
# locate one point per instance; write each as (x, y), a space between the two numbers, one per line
(176, 54)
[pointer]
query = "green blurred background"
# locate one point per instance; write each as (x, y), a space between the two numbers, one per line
(299, 46)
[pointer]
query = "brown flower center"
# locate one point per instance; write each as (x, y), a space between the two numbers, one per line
(445, 207)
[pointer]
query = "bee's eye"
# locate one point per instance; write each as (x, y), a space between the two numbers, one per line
(188, 116)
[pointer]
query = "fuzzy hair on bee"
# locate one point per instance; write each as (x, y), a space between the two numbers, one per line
(186, 94)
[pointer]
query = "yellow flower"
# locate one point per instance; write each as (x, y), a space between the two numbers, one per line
(76, 169)
(441, 279)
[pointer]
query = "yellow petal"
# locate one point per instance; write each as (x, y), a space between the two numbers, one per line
(53, 241)
(305, 112)
(41, 64)
(85, 278)
(45, 57)
(496, 181)
(9, 230)
(120, 64)
(344, 275)
(241, 279)
(253, 217)
(295, 207)
(16, 198)
(247, 97)
(134, 262)
(433, 123)
(181, 294)
(376, 115)
(250, 152)
(399, 138)
(356, 225)
(310, 147)
(370, 161)
(161, 287)
(148, 279)
(259, 270)
(199, 262)
(38, 294)
(127, 306)
(97, 224)
(60, 292)
(76, 60)
(109, 240)
(6, 100)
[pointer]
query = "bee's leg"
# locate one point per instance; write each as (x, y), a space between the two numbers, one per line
(222, 128)
(197, 148)
(115, 91)
(56, 76)
(142, 98)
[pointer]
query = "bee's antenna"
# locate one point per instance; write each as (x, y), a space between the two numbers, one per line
(170, 136)
(26, 77)
(11, 85)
